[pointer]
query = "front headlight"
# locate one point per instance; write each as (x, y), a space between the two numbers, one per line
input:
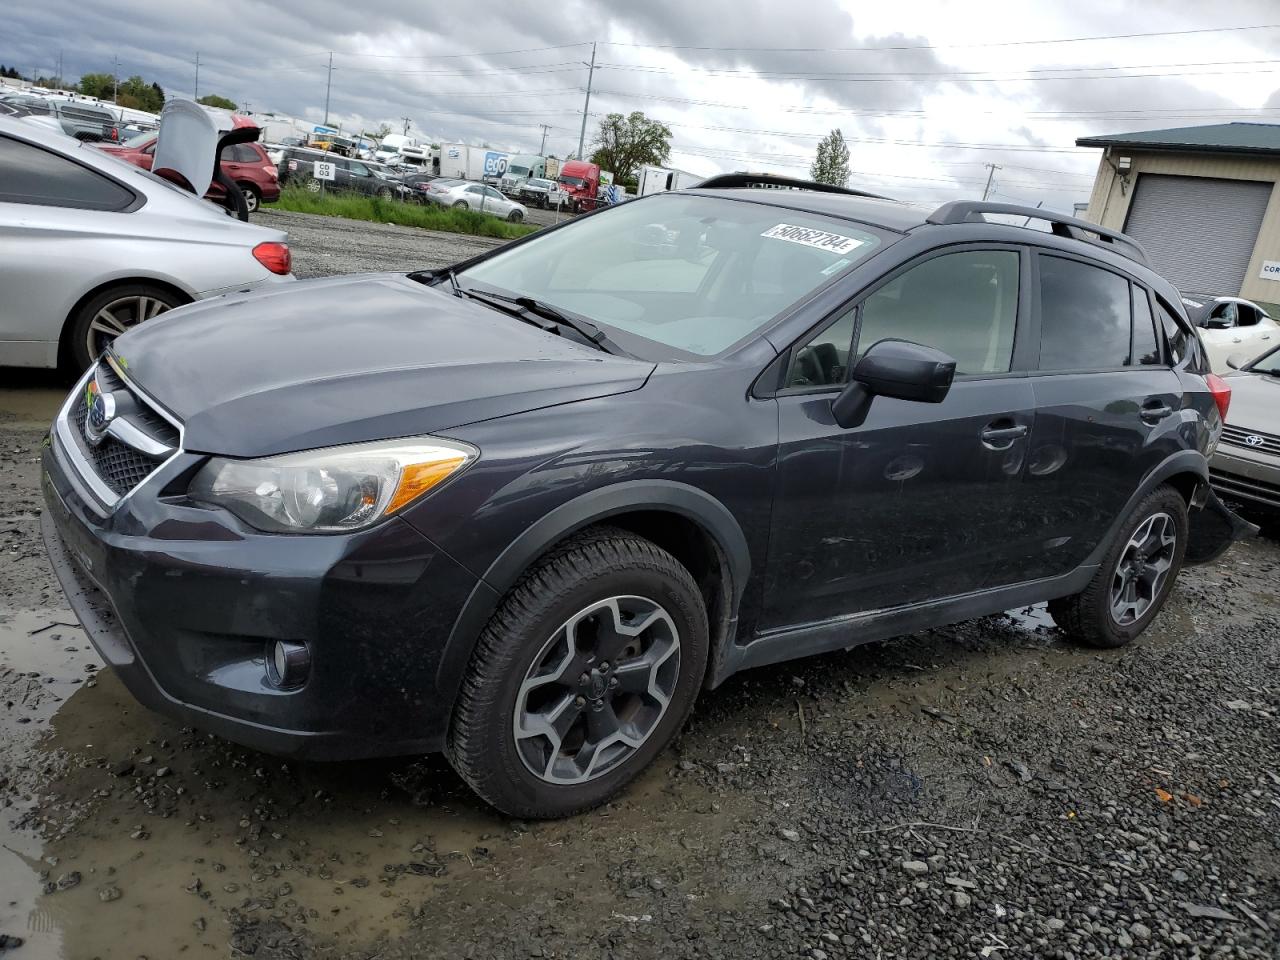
(331, 490)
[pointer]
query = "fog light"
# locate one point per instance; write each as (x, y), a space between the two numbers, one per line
(288, 663)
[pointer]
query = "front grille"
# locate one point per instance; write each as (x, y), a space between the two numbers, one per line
(119, 466)
(134, 446)
(1232, 484)
(1237, 437)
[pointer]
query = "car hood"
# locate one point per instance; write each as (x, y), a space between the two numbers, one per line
(1255, 402)
(348, 359)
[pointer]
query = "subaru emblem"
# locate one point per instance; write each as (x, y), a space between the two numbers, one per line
(101, 411)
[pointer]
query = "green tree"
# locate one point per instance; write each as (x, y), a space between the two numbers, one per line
(625, 143)
(137, 94)
(213, 100)
(100, 85)
(831, 165)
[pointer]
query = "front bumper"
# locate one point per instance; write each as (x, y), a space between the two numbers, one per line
(182, 601)
(1244, 474)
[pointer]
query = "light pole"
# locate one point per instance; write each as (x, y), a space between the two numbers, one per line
(328, 84)
(591, 70)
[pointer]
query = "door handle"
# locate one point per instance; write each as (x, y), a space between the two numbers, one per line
(1001, 438)
(1153, 411)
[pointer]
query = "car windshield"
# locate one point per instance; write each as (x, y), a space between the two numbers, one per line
(139, 140)
(1269, 364)
(517, 171)
(574, 181)
(541, 184)
(680, 275)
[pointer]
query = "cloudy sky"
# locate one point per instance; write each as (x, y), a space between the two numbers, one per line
(926, 93)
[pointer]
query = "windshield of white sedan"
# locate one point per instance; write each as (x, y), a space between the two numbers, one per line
(1268, 365)
(693, 273)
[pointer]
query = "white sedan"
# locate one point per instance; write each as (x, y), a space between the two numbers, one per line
(474, 196)
(91, 245)
(1231, 325)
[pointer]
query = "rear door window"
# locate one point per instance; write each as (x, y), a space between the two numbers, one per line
(31, 175)
(1084, 316)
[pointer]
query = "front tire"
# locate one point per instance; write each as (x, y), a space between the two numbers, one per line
(1135, 577)
(515, 216)
(587, 670)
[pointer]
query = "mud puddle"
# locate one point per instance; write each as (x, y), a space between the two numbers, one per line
(126, 835)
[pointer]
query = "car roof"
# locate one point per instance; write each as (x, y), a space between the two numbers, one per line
(889, 214)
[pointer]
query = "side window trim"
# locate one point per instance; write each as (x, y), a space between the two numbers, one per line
(1041, 252)
(1021, 330)
(1157, 326)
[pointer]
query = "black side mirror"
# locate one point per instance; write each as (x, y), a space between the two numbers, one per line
(1217, 323)
(894, 368)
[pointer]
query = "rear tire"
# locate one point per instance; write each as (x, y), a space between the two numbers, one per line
(252, 198)
(1135, 577)
(540, 665)
(462, 205)
(110, 313)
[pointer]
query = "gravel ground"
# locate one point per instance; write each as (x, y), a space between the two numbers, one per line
(327, 245)
(983, 790)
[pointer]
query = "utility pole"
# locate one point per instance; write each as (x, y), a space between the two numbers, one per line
(992, 168)
(407, 122)
(197, 93)
(59, 68)
(591, 70)
(115, 78)
(543, 148)
(327, 85)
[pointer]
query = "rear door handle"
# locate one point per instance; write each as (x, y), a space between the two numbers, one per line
(1153, 411)
(1001, 438)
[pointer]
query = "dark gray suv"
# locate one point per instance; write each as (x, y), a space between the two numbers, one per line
(523, 510)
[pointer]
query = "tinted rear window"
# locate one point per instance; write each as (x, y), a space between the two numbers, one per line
(1084, 316)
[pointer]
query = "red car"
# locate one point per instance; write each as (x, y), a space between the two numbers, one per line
(245, 163)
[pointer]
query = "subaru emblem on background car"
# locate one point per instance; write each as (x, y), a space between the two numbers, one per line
(1253, 440)
(101, 411)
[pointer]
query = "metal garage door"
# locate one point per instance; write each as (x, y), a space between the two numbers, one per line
(1199, 232)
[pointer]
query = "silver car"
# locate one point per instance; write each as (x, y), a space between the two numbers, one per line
(1246, 465)
(91, 245)
(475, 196)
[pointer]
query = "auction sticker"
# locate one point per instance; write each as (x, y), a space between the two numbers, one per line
(819, 239)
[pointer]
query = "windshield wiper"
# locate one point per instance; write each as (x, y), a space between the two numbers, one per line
(557, 317)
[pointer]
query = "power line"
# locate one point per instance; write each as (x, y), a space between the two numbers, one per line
(946, 46)
(904, 77)
(834, 74)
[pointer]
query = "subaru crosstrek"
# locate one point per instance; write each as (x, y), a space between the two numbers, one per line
(524, 509)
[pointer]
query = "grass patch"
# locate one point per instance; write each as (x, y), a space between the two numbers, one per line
(356, 206)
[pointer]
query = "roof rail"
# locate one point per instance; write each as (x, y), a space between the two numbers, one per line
(971, 211)
(741, 179)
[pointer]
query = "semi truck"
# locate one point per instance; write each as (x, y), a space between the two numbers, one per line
(585, 185)
(399, 148)
(527, 166)
(466, 162)
(651, 179)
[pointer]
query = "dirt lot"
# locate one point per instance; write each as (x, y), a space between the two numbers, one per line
(979, 791)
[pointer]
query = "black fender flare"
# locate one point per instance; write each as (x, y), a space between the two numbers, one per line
(1213, 526)
(583, 511)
